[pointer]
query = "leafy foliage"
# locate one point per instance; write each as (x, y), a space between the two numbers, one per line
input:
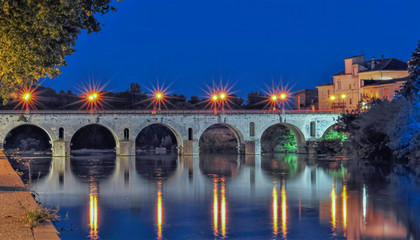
(411, 88)
(36, 36)
(218, 138)
(278, 139)
(39, 215)
(333, 135)
(367, 130)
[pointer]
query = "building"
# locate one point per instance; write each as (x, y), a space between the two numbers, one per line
(381, 76)
(383, 89)
(306, 99)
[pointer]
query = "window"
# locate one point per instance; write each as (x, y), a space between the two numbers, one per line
(338, 85)
(350, 101)
(350, 86)
(312, 129)
(190, 134)
(126, 134)
(252, 129)
(61, 133)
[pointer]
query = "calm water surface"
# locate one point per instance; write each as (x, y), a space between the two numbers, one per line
(226, 196)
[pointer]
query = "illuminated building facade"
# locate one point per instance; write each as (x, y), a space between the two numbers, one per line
(381, 76)
(306, 99)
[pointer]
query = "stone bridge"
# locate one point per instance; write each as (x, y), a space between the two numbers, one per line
(187, 126)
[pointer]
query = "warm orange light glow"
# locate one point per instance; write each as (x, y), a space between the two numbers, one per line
(26, 98)
(275, 211)
(159, 211)
(219, 211)
(93, 212)
(343, 96)
(92, 97)
(223, 209)
(283, 96)
(218, 97)
(332, 98)
(333, 207)
(277, 97)
(283, 211)
(159, 97)
(344, 196)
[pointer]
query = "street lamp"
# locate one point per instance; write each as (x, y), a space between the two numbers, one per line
(283, 98)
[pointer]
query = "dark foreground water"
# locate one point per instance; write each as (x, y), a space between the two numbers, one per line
(218, 196)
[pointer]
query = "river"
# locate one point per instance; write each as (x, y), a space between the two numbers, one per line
(284, 196)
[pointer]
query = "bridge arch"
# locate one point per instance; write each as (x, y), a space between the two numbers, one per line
(113, 133)
(326, 130)
(175, 132)
(300, 137)
(52, 137)
(236, 131)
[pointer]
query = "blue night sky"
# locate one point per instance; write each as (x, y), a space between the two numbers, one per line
(190, 43)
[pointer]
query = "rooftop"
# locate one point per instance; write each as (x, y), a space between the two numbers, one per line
(383, 82)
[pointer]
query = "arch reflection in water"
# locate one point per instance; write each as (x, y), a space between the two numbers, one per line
(282, 165)
(222, 166)
(92, 167)
(156, 167)
(219, 211)
(93, 211)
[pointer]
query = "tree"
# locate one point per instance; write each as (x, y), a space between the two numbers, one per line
(36, 36)
(412, 87)
(256, 100)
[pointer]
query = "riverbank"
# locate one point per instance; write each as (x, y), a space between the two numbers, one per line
(14, 199)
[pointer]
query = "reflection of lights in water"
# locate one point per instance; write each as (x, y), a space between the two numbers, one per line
(344, 196)
(275, 211)
(333, 207)
(93, 212)
(159, 211)
(283, 211)
(223, 208)
(219, 210)
(364, 203)
(215, 208)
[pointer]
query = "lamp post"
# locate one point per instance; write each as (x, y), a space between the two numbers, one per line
(343, 98)
(283, 98)
(332, 98)
(214, 99)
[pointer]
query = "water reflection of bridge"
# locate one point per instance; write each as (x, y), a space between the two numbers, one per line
(286, 182)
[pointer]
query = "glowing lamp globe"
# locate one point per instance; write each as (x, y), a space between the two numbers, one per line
(222, 96)
(26, 97)
(159, 95)
(332, 98)
(92, 97)
(343, 96)
(273, 98)
(283, 96)
(214, 97)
